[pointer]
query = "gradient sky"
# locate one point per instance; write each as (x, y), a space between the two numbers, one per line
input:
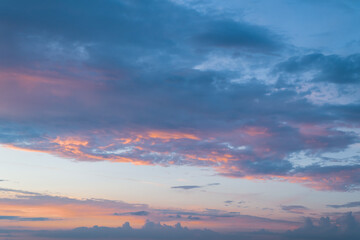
(179, 119)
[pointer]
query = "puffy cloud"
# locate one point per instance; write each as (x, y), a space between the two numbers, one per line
(345, 227)
(150, 230)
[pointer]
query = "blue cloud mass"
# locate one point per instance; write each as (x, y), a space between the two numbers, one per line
(235, 94)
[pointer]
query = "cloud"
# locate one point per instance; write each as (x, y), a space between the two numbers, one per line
(345, 227)
(31, 206)
(150, 230)
(348, 177)
(99, 85)
(193, 218)
(26, 219)
(346, 205)
(221, 214)
(228, 203)
(189, 187)
(186, 187)
(229, 34)
(213, 184)
(139, 213)
(326, 68)
(294, 208)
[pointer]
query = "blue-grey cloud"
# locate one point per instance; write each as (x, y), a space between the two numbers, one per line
(294, 208)
(193, 218)
(346, 205)
(230, 34)
(138, 213)
(27, 219)
(186, 187)
(124, 74)
(121, 209)
(213, 184)
(189, 187)
(344, 227)
(327, 68)
(150, 230)
(216, 213)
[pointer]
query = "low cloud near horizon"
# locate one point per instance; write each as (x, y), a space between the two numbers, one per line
(344, 227)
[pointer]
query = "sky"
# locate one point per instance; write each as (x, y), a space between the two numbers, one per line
(179, 119)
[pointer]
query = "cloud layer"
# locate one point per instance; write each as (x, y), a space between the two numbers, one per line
(345, 227)
(153, 82)
(45, 211)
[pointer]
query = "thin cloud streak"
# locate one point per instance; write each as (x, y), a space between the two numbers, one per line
(346, 205)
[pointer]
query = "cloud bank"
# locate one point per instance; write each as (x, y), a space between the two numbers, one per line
(154, 82)
(345, 227)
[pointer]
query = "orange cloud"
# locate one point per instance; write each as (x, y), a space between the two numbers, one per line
(167, 136)
(255, 131)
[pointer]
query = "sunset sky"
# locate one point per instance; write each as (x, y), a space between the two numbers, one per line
(179, 119)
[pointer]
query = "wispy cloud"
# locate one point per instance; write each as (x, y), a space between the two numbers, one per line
(294, 208)
(26, 219)
(33, 206)
(186, 187)
(346, 205)
(189, 187)
(139, 213)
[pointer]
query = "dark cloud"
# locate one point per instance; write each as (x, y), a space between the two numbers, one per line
(150, 230)
(19, 191)
(294, 208)
(187, 187)
(328, 68)
(230, 34)
(215, 213)
(115, 29)
(213, 184)
(27, 219)
(139, 213)
(344, 227)
(346, 205)
(193, 218)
